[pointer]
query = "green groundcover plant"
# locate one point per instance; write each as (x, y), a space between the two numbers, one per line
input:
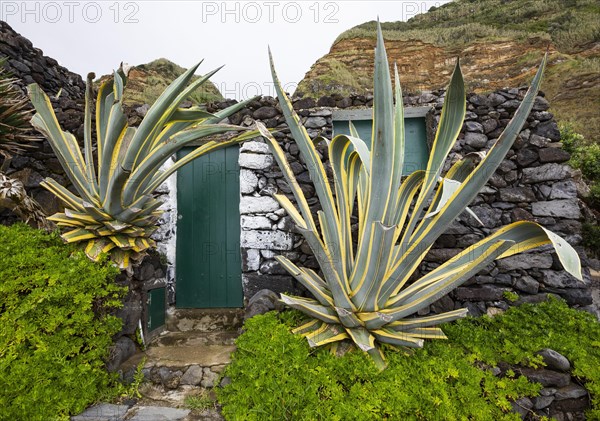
(55, 326)
(276, 375)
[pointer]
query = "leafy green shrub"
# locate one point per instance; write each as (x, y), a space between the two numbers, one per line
(55, 326)
(586, 157)
(275, 375)
(591, 237)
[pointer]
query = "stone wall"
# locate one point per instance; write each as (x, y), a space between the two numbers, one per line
(28, 65)
(533, 183)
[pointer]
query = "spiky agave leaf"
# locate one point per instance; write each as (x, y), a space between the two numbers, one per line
(113, 210)
(15, 113)
(364, 294)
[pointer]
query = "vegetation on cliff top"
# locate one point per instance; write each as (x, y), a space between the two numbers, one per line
(569, 24)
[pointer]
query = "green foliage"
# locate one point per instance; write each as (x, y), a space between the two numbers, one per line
(515, 336)
(510, 296)
(591, 237)
(275, 375)
(585, 156)
(132, 390)
(55, 326)
(200, 401)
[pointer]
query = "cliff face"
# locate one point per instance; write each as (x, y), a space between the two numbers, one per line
(500, 44)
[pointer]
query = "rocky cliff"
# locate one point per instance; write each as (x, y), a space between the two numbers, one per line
(147, 81)
(500, 43)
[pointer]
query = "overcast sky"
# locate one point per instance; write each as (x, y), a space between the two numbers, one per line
(96, 36)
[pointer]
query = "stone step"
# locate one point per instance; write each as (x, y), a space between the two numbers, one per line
(190, 358)
(204, 320)
(193, 338)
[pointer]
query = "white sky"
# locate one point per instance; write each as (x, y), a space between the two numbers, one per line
(96, 36)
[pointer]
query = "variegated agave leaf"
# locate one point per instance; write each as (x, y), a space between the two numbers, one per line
(364, 294)
(113, 209)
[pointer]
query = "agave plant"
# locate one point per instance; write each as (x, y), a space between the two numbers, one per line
(14, 197)
(114, 210)
(366, 294)
(15, 129)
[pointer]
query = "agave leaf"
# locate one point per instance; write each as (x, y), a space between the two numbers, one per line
(141, 176)
(193, 114)
(451, 121)
(87, 134)
(309, 279)
(168, 113)
(308, 327)
(279, 155)
(111, 144)
(420, 322)
(383, 169)
(117, 175)
(327, 333)
(64, 144)
(312, 308)
(152, 122)
(314, 164)
(388, 336)
(62, 193)
(435, 290)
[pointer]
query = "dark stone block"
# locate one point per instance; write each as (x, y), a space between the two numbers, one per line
(326, 101)
(546, 377)
(548, 129)
(554, 155)
(264, 113)
(574, 297)
(304, 103)
(526, 156)
(483, 293)
(276, 283)
(555, 360)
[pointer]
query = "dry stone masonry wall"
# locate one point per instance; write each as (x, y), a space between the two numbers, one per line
(533, 183)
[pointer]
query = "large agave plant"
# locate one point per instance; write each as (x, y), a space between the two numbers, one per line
(114, 210)
(365, 293)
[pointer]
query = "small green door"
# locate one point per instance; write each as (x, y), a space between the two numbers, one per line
(208, 231)
(416, 153)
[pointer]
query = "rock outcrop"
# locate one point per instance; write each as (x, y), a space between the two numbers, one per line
(147, 81)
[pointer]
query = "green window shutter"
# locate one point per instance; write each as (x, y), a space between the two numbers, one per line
(156, 308)
(415, 129)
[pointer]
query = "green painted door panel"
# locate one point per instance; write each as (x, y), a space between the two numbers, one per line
(415, 130)
(208, 231)
(156, 308)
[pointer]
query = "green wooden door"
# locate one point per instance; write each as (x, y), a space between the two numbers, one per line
(415, 130)
(208, 271)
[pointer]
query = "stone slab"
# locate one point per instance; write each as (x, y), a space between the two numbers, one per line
(102, 412)
(159, 413)
(183, 356)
